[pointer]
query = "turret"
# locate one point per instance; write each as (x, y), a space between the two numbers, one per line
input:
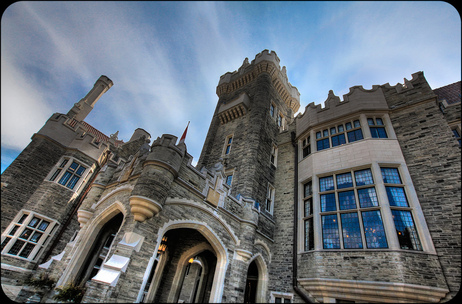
(159, 170)
(81, 109)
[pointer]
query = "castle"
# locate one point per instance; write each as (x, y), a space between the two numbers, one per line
(356, 201)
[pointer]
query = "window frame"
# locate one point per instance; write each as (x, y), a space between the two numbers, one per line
(274, 155)
(272, 110)
(456, 132)
(392, 184)
(16, 232)
(63, 168)
(281, 295)
(306, 147)
(228, 145)
(270, 195)
(338, 134)
(308, 219)
(340, 212)
(375, 126)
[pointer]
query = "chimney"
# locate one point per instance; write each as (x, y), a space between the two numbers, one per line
(81, 109)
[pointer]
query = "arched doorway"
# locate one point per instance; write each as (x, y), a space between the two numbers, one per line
(251, 284)
(188, 270)
(198, 278)
(256, 285)
(99, 249)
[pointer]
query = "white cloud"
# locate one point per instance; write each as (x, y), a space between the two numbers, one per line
(165, 58)
(24, 109)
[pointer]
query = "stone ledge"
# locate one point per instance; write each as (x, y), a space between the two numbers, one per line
(371, 291)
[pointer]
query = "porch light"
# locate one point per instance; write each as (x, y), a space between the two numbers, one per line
(191, 260)
(163, 245)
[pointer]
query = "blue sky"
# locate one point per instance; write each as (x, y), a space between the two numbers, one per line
(165, 58)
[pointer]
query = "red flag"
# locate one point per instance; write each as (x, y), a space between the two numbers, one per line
(183, 137)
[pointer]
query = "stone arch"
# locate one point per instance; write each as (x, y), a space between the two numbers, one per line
(90, 232)
(262, 285)
(215, 243)
(265, 248)
(128, 188)
(175, 290)
(193, 204)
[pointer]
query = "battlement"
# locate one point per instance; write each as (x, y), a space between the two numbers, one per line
(380, 97)
(264, 61)
(412, 91)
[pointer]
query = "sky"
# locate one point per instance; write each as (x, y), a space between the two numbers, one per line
(166, 58)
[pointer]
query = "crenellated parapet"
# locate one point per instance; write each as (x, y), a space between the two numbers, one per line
(412, 91)
(159, 170)
(264, 62)
(380, 97)
(357, 99)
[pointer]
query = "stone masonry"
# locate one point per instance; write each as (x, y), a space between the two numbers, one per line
(139, 223)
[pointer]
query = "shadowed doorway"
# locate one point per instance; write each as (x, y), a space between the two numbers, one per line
(251, 283)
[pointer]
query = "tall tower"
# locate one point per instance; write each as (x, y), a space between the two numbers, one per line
(255, 103)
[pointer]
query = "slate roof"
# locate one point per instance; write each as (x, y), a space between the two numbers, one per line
(100, 136)
(451, 93)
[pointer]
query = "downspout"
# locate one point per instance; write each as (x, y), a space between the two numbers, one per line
(300, 292)
(80, 199)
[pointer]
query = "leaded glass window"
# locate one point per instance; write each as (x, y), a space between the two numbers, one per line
(406, 230)
(27, 235)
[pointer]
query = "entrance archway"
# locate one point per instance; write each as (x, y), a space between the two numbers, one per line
(171, 280)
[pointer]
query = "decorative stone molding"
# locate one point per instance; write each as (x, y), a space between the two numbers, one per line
(242, 255)
(124, 187)
(143, 208)
(83, 216)
(371, 291)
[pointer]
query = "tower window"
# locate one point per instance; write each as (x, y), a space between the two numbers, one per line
(68, 173)
(274, 155)
(229, 179)
(270, 199)
(456, 133)
(228, 143)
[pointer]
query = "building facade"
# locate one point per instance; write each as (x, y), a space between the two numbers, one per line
(358, 200)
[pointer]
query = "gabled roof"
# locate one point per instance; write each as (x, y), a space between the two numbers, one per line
(451, 93)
